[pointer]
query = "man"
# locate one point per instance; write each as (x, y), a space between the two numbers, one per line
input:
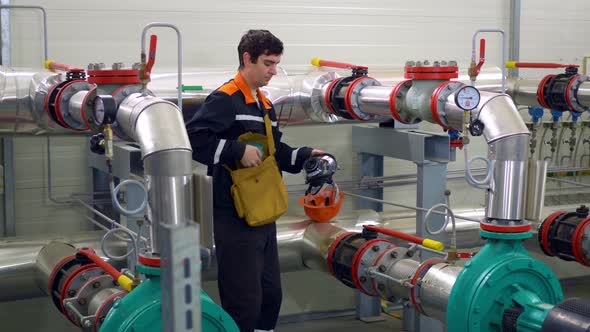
(249, 277)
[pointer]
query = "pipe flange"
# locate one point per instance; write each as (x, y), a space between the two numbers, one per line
(81, 301)
(580, 245)
(541, 91)
(320, 108)
(62, 107)
(396, 103)
(337, 102)
(106, 306)
(498, 226)
(116, 76)
(351, 101)
(328, 94)
(439, 70)
(50, 102)
(149, 259)
(386, 288)
(544, 230)
(61, 270)
(332, 250)
(363, 259)
(438, 100)
(88, 111)
(571, 93)
(73, 284)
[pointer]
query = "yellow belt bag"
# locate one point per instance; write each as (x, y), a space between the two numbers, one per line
(259, 193)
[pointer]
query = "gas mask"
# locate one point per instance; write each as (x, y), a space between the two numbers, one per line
(318, 172)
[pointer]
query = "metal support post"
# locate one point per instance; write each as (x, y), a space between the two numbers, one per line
(431, 153)
(9, 187)
(368, 309)
(514, 51)
(181, 277)
(371, 165)
(432, 181)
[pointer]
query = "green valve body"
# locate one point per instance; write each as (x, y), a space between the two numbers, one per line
(140, 310)
(502, 277)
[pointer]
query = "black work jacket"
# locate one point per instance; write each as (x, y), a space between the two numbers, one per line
(227, 113)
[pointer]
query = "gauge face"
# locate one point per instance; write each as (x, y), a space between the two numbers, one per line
(104, 110)
(98, 111)
(467, 98)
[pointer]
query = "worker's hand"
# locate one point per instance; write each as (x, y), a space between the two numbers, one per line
(251, 156)
(315, 152)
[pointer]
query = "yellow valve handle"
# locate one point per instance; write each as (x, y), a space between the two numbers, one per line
(432, 244)
(510, 64)
(125, 282)
(47, 63)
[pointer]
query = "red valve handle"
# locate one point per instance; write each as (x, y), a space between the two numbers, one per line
(482, 55)
(514, 64)
(55, 66)
(151, 56)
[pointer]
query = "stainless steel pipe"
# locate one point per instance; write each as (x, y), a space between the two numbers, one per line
(158, 127)
(22, 269)
(436, 288)
(535, 191)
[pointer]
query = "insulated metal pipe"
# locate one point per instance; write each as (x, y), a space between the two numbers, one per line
(159, 129)
(506, 197)
(436, 288)
(24, 272)
(49, 256)
(583, 94)
(524, 92)
(302, 245)
(374, 100)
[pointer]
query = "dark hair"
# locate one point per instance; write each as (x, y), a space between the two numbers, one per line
(259, 42)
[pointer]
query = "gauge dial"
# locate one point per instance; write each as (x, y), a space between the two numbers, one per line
(104, 109)
(98, 111)
(467, 98)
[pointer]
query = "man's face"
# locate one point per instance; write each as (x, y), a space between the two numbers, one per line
(263, 70)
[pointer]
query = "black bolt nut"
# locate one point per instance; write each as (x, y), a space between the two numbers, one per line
(375, 248)
(382, 268)
(582, 211)
(393, 254)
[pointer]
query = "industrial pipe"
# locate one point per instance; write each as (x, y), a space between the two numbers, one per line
(122, 279)
(158, 127)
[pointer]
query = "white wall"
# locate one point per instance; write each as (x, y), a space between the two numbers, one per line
(378, 33)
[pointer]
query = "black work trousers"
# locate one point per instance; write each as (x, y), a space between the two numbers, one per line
(248, 271)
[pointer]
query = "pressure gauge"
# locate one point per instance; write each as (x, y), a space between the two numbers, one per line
(467, 98)
(104, 108)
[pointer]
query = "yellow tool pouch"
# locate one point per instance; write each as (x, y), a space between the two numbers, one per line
(259, 193)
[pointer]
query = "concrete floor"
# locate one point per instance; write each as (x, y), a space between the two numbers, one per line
(343, 324)
(578, 287)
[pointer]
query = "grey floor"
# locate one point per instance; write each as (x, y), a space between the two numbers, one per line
(572, 288)
(342, 324)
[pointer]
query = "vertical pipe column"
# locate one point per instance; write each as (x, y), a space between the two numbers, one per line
(168, 177)
(430, 191)
(514, 51)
